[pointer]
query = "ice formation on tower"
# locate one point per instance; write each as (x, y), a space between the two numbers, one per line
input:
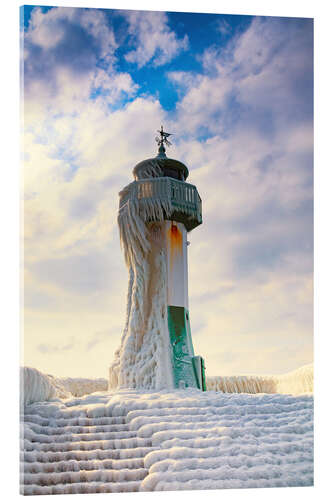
(143, 359)
(156, 212)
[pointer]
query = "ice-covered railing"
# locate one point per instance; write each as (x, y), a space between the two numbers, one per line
(241, 384)
(299, 381)
(182, 196)
(80, 386)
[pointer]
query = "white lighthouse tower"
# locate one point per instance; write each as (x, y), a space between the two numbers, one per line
(156, 212)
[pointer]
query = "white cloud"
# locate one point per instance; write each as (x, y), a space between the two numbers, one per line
(61, 49)
(43, 31)
(184, 80)
(262, 80)
(114, 85)
(48, 29)
(255, 324)
(154, 39)
(224, 27)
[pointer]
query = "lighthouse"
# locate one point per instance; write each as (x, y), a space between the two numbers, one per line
(156, 212)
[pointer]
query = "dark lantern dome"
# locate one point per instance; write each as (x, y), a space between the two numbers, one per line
(160, 166)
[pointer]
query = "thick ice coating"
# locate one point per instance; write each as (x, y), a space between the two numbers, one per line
(143, 359)
(36, 386)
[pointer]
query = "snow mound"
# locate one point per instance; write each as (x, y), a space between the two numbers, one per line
(36, 386)
(296, 382)
(299, 381)
(133, 440)
(81, 386)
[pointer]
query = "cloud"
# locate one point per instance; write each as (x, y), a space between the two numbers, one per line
(56, 349)
(224, 27)
(261, 80)
(69, 54)
(100, 337)
(83, 274)
(153, 38)
(255, 318)
(70, 37)
(112, 86)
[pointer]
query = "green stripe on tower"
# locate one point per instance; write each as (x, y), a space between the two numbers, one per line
(185, 371)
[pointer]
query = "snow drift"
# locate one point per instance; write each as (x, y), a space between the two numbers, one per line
(36, 386)
(143, 359)
(299, 381)
(296, 382)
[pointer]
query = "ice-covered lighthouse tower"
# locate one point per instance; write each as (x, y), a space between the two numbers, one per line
(156, 212)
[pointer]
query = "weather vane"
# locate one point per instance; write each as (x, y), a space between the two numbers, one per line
(163, 138)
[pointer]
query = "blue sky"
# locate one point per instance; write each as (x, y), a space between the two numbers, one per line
(204, 30)
(237, 92)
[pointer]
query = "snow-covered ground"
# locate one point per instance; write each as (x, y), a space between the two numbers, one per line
(132, 440)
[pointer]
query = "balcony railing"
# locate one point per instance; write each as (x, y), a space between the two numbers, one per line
(184, 197)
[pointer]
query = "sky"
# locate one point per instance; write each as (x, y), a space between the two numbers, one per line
(237, 93)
